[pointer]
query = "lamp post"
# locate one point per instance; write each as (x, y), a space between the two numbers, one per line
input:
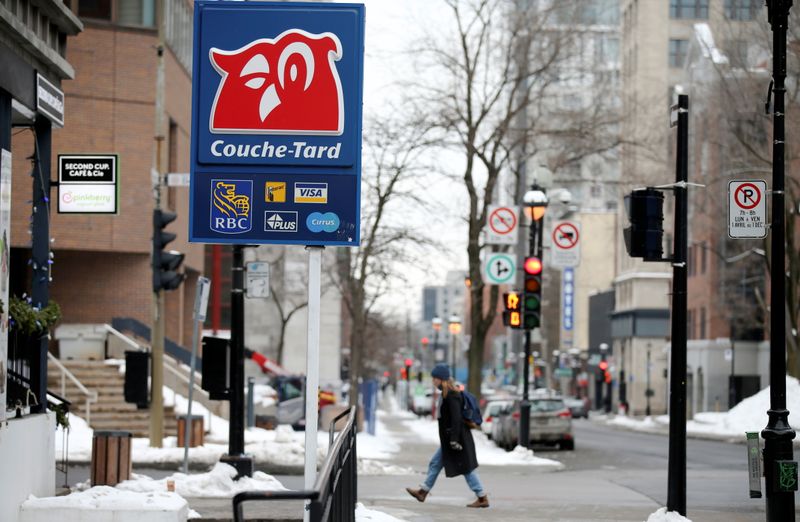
(648, 392)
(535, 201)
(607, 395)
(454, 326)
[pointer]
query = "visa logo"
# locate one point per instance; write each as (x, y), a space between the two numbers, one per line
(310, 192)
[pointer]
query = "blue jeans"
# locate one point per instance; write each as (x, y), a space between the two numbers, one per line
(435, 467)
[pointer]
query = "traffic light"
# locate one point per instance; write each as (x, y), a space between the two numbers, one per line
(532, 296)
(512, 316)
(165, 262)
(643, 238)
(409, 363)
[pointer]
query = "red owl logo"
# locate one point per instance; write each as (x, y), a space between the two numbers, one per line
(286, 85)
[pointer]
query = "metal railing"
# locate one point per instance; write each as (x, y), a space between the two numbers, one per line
(124, 338)
(336, 490)
(90, 395)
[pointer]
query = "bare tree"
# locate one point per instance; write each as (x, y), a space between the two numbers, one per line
(285, 313)
(389, 186)
(499, 75)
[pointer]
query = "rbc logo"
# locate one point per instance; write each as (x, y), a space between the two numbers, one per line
(230, 206)
(286, 85)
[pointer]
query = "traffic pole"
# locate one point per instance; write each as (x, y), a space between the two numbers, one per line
(676, 474)
(312, 368)
(779, 468)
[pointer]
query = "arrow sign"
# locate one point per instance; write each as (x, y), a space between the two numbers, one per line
(499, 269)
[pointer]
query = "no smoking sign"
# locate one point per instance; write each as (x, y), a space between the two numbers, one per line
(747, 209)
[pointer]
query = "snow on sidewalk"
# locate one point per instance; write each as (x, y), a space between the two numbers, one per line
(748, 415)
(662, 515)
(107, 503)
(370, 515)
(489, 454)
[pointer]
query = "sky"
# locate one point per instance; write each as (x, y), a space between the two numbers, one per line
(391, 27)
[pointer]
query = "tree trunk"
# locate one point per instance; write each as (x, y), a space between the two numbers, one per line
(356, 350)
(281, 340)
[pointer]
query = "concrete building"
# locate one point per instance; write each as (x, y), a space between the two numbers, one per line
(656, 37)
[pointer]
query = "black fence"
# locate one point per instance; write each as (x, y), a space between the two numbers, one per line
(336, 490)
(20, 350)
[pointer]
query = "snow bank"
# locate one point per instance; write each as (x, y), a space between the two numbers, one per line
(217, 483)
(662, 515)
(370, 515)
(377, 467)
(107, 503)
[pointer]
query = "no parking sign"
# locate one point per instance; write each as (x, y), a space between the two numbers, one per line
(747, 209)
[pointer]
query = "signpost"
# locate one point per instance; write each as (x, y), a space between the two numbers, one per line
(747, 209)
(499, 269)
(502, 225)
(276, 152)
(88, 183)
(566, 250)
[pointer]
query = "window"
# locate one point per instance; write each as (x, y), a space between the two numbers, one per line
(742, 9)
(697, 9)
(677, 52)
(703, 257)
(703, 323)
(138, 13)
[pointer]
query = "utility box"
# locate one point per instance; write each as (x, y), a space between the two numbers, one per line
(82, 341)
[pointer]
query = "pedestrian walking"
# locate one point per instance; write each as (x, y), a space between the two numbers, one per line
(456, 452)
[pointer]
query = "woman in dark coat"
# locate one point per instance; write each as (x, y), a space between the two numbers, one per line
(456, 453)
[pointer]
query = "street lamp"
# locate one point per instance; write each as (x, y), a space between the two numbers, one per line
(454, 326)
(436, 323)
(648, 391)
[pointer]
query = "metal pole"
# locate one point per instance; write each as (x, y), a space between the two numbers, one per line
(40, 253)
(778, 434)
(251, 407)
(534, 249)
(236, 456)
(312, 366)
(648, 392)
(157, 331)
(676, 475)
(623, 386)
(200, 304)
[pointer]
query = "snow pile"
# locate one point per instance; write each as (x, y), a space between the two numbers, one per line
(370, 515)
(217, 483)
(108, 499)
(377, 467)
(662, 515)
(264, 395)
(628, 422)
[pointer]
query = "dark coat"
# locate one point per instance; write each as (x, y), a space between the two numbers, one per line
(452, 428)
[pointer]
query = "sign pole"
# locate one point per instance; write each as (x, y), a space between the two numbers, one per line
(312, 366)
(200, 305)
(780, 469)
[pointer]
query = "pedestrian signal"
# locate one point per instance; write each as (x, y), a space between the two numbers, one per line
(512, 316)
(643, 238)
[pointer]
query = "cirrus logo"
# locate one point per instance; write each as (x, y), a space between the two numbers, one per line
(318, 222)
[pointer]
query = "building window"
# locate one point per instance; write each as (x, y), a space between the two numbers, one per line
(690, 324)
(742, 9)
(137, 13)
(98, 9)
(677, 52)
(703, 323)
(704, 247)
(691, 9)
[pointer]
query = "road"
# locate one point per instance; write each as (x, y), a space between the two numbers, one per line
(612, 475)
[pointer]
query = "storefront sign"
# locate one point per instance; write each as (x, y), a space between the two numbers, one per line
(87, 184)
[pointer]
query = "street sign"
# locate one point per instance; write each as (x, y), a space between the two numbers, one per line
(178, 179)
(566, 251)
(728, 354)
(88, 183)
(257, 280)
(499, 269)
(563, 372)
(568, 299)
(276, 123)
(502, 225)
(747, 209)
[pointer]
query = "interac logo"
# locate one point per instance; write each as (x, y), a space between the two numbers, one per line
(230, 206)
(275, 192)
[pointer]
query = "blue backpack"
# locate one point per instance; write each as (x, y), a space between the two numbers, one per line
(470, 409)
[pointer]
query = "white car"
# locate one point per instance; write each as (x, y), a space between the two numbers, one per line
(490, 412)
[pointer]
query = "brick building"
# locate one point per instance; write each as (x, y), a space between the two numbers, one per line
(101, 266)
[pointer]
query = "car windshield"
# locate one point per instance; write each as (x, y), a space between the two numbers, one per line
(546, 405)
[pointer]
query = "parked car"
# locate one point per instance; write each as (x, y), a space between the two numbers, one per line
(577, 407)
(490, 413)
(422, 403)
(550, 423)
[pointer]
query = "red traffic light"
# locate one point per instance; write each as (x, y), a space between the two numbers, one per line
(386, 373)
(533, 265)
(409, 362)
(603, 365)
(425, 341)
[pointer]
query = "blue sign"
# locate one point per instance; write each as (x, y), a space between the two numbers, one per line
(276, 123)
(568, 298)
